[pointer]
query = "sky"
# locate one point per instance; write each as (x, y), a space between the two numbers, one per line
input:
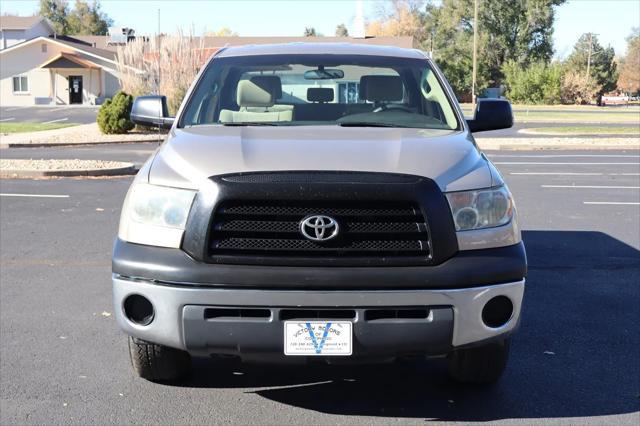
(612, 20)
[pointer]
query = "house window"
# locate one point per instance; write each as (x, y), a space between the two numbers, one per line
(20, 84)
(44, 48)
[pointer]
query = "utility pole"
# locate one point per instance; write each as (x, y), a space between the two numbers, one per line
(589, 56)
(159, 51)
(475, 53)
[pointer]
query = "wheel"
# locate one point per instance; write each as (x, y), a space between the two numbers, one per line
(481, 364)
(158, 363)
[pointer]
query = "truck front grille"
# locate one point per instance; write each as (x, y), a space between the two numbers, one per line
(244, 230)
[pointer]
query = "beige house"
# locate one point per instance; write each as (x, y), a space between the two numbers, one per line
(16, 29)
(56, 71)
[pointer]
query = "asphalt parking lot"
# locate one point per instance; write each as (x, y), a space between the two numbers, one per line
(83, 114)
(574, 360)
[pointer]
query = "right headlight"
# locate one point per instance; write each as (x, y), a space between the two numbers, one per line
(482, 208)
(155, 215)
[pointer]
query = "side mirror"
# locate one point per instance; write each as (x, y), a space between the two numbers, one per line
(151, 111)
(491, 114)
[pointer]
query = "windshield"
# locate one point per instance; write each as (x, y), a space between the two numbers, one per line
(289, 90)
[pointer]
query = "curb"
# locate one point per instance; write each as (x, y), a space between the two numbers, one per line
(67, 144)
(129, 169)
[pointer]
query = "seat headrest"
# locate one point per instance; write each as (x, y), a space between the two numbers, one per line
(381, 88)
(259, 91)
(319, 94)
(272, 82)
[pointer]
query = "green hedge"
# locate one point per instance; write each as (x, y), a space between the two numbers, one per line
(113, 117)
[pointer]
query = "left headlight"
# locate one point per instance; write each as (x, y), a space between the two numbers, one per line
(483, 208)
(155, 215)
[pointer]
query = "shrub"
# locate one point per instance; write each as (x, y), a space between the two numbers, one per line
(539, 83)
(113, 117)
(578, 89)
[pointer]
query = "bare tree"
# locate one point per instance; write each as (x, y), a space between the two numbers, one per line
(177, 59)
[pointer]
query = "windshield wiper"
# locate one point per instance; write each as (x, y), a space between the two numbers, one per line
(368, 124)
(250, 123)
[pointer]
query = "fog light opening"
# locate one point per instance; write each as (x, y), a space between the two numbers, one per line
(138, 309)
(497, 312)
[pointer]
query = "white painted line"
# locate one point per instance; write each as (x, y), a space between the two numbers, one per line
(56, 121)
(567, 156)
(563, 164)
(16, 108)
(556, 173)
(615, 203)
(590, 186)
(8, 119)
(573, 174)
(34, 195)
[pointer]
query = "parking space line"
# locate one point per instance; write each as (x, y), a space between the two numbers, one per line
(556, 173)
(590, 186)
(34, 195)
(562, 164)
(16, 108)
(572, 174)
(566, 156)
(8, 119)
(615, 203)
(56, 121)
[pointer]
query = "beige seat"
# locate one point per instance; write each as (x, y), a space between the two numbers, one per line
(256, 98)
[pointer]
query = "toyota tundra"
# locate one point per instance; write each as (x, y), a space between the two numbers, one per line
(319, 203)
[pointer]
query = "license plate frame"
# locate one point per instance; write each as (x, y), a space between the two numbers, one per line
(318, 338)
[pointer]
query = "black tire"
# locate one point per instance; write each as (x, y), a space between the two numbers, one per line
(158, 363)
(480, 364)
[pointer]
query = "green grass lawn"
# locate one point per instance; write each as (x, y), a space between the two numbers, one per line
(6, 128)
(587, 130)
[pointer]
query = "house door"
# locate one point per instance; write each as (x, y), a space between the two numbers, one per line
(75, 89)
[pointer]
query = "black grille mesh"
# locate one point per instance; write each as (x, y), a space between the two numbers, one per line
(250, 228)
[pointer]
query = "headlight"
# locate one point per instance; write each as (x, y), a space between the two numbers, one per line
(155, 215)
(483, 208)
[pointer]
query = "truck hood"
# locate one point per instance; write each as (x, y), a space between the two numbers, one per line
(191, 155)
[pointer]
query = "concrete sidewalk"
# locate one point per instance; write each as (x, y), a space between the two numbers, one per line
(85, 134)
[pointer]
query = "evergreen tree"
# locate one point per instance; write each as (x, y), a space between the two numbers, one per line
(595, 62)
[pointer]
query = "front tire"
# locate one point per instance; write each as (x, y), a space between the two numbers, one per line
(480, 364)
(157, 362)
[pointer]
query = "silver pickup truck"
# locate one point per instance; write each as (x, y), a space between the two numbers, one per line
(319, 203)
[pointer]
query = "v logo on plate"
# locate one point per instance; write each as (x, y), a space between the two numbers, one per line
(318, 347)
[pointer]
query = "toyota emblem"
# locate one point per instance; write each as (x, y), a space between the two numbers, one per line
(319, 228)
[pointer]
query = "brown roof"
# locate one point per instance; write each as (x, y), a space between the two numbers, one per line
(403, 41)
(68, 60)
(13, 22)
(71, 42)
(217, 42)
(99, 41)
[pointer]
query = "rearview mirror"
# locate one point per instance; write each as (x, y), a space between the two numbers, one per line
(151, 111)
(323, 74)
(491, 114)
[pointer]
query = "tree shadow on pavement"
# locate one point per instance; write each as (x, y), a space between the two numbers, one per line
(575, 355)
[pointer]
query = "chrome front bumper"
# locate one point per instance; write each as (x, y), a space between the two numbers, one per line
(169, 301)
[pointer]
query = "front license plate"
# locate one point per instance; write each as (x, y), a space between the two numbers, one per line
(318, 338)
